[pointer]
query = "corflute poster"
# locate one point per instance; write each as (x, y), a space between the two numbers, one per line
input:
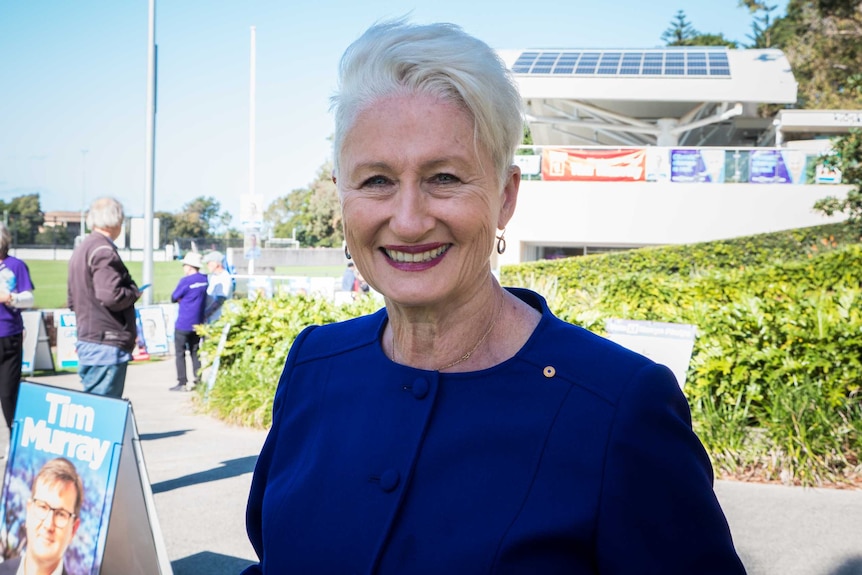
(54, 428)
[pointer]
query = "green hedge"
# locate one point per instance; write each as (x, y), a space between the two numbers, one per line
(774, 380)
(261, 332)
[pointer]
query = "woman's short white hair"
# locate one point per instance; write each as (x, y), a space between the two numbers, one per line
(105, 213)
(440, 60)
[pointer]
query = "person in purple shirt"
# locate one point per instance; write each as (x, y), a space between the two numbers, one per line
(190, 293)
(16, 293)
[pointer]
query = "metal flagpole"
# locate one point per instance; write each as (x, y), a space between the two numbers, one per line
(251, 121)
(149, 192)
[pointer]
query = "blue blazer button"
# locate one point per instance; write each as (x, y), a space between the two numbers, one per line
(389, 480)
(420, 388)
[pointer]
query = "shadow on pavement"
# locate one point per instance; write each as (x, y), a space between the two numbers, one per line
(852, 566)
(152, 436)
(209, 563)
(229, 468)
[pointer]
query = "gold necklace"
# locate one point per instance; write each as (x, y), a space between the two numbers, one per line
(470, 353)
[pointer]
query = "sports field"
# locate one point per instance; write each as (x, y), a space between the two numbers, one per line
(49, 277)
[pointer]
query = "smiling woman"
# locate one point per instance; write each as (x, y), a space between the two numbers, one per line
(464, 428)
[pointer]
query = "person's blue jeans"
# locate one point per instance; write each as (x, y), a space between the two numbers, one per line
(104, 379)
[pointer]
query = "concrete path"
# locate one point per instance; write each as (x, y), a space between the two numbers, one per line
(200, 469)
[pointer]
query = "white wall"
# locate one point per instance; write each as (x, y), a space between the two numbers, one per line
(646, 213)
(63, 254)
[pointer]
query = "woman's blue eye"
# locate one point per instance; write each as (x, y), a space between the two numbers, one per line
(445, 178)
(376, 181)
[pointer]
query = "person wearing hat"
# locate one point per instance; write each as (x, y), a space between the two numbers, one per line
(220, 287)
(190, 293)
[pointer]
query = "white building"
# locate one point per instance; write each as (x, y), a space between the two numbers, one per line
(663, 146)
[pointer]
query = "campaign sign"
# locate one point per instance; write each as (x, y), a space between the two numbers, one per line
(67, 337)
(706, 166)
(612, 165)
(153, 329)
(777, 167)
(83, 429)
(657, 164)
(669, 344)
(826, 175)
(36, 346)
(169, 312)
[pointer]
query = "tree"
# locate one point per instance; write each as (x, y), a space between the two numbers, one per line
(680, 31)
(823, 42)
(201, 218)
(53, 235)
(166, 226)
(25, 218)
(761, 27)
(704, 39)
(324, 224)
(281, 216)
(846, 156)
(313, 212)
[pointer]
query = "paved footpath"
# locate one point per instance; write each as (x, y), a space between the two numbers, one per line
(200, 469)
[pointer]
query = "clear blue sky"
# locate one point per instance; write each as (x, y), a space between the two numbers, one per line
(73, 78)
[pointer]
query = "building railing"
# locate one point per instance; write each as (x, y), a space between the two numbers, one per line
(674, 164)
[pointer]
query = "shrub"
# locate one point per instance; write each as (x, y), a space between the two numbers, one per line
(260, 334)
(774, 378)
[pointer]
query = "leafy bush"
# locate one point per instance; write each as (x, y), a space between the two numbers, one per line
(261, 333)
(775, 378)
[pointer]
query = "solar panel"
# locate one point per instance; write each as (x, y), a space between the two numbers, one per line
(698, 62)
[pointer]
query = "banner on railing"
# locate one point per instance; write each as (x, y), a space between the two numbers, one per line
(705, 166)
(530, 165)
(627, 165)
(777, 167)
(683, 165)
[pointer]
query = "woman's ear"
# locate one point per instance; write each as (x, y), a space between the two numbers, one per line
(509, 196)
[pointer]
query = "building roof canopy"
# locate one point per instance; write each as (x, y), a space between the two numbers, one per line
(665, 96)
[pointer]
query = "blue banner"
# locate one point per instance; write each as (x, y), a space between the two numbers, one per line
(699, 165)
(777, 167)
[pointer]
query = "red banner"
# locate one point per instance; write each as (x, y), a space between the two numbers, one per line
(560, 164)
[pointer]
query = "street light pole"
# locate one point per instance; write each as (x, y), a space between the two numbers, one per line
(83, 190)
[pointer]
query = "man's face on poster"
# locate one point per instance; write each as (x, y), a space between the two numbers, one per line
(51, 521)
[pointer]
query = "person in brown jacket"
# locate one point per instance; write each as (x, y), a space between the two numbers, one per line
(102, 294)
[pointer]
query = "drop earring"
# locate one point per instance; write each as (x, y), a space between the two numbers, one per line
(347, 253)
(501, 242)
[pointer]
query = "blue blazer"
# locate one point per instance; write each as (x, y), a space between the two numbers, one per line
(575, 456)
(10, 566)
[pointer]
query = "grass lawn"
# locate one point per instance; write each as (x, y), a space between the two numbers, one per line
(49, 277)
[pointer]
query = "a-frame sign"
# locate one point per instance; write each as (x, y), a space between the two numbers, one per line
(36, 353)
(116, 530)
